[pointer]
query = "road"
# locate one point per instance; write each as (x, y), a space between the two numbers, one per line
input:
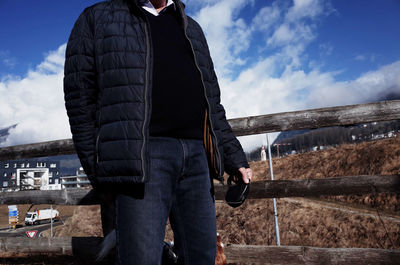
(20, 232)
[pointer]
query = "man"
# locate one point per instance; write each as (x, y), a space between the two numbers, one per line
(144, 108)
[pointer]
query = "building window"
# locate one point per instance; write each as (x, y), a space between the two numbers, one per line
(5, 174)
(22, 165)
(53, 165)
(40, 164)
(50, 174)
(5, 184)
(57, 173)
(27, 164)
(56, 181)
(15, 165)
(7, 165)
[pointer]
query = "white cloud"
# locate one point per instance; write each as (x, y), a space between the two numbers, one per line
(301, 9)
(298, 22)
(365, 57)
(266, 18)
(36, 103)
(256, 93)
(226, 33)
(368, 87)
(325, 48)
(360, 57)
(7, 59)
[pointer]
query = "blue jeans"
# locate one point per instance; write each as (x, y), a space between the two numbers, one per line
(179, 188)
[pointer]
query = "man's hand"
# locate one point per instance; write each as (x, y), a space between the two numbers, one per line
(247, 173)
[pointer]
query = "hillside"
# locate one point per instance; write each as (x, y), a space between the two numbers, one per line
(351, 221)
(5, 132)
(369, 158)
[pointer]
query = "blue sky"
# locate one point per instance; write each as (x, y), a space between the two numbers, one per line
(32, 28)
(270, 56)
(365, 28)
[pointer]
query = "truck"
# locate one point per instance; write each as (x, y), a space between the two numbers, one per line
(41, 216)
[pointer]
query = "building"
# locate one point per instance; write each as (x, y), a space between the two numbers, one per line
(29, 175)
(79, 180)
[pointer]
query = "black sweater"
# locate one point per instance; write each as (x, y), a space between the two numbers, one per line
(178, 100)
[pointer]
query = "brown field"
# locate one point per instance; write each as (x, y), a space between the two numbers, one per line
(371, 221)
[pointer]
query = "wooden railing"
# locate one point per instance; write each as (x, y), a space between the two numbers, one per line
(315, 118)
(279, 122)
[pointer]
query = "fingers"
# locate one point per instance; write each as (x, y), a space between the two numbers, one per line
(247, 174)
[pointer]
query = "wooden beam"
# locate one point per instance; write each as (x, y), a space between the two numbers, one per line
(305, 119)
(87, 248)
(83, 248)
(56, 245)
(50, 148)
(317, 118)
(297, 255)
(59, 197)
(353, 185)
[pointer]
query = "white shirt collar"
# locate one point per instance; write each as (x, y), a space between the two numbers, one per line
(151, 9)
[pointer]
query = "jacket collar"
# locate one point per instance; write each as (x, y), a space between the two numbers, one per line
(141, 2)
(136, 4)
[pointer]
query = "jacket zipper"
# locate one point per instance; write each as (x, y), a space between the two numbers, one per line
(146, 88)
(97, 148)
(97, 139)
(205, 95)
(143, 151)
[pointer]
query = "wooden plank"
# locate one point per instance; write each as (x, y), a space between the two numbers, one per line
(306, 119)
(49, 148)
(351, 185)
(37, 245)
(85, 248)
(88, 247)
(59, 197)
(296, 255)
(317, 118)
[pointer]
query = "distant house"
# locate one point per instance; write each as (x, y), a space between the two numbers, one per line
(29, 175)
(79, 180)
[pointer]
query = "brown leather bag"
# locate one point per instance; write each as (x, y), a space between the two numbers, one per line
(209, 146)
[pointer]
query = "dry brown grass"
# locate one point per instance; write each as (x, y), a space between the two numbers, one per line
(303, 224)
(84, 222)
(369, 158)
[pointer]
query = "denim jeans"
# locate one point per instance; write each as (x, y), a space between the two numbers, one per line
(179, 188)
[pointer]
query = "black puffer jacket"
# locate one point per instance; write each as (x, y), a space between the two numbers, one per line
(107, 86)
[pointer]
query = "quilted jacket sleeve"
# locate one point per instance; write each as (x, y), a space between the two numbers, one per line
(234, 156)
(80, 91)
